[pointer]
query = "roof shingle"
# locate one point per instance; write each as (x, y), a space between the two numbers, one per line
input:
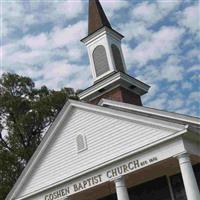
(97, 18)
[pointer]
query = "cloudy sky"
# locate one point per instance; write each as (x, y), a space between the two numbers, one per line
(41, 39)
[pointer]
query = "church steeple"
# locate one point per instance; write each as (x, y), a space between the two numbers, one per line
(103, 44)
(107, 62)
(97, 18)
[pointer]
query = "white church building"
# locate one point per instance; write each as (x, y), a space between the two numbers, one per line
(108, 146)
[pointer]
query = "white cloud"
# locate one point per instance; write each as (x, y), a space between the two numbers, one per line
(58, 69)
(172, 73)
(51, 53)
(63, 74)
(70, 9)
(112, 6)
(143, 16)
(159, 103)
(145, 12)
(30, 71)
(193, 54)
(151, 13)
(17, 16)
(151, 93)
(189, 18)
(156, 47)
(194, 96)
(42, 48)
(149, 74)
(68, 36)
(75, 53)
(21, 58)
(173, 87)
(139, 32)
(186, 85)
(82, 79)
(195, 77)
(185, 111)
(167, 6)
(194, 68)
(38, 60)
(175, 103)
(36, 42)
(128, 51)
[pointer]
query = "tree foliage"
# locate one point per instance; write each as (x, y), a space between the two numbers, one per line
(26, 113)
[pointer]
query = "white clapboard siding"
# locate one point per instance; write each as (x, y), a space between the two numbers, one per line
(107, 138)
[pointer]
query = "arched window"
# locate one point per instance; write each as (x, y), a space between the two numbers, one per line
(100, 60)
(81, 142)
(117, 58)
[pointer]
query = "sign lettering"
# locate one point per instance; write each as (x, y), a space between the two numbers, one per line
(107, 175)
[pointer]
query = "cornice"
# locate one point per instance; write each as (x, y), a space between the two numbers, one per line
(118, 78)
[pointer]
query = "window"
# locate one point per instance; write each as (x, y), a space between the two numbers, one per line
(178, 186)
(81, 142)
(117, 58)
(100, 60)
(156, 189)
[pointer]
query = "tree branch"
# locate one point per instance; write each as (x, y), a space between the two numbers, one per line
(4, 143)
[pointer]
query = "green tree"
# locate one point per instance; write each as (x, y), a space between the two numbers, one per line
(25, 114)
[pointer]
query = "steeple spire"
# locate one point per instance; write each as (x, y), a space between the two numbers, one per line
(107, 62)
(97, 17)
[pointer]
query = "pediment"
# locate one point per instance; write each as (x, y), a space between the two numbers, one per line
(109, 134)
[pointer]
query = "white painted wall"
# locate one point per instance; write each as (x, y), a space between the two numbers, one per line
(108, 138)
(192, 146)
(162, 152)
(106, 39)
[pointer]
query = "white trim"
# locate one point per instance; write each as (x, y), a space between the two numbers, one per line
(87, 40)
(112, 79)
(101, 37)
(151, 111)
(102, 75)
(136, 151)
(130, 116)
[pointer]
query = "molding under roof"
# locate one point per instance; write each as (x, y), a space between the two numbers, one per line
(101, 31)
(151, 112)
(106, 84)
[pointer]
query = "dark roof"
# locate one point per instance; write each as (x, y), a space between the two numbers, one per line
(97, 18)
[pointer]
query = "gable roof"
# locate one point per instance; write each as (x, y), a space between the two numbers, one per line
(151, 112)
(103, 110)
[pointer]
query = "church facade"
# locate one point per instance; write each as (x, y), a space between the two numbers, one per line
(108, 146)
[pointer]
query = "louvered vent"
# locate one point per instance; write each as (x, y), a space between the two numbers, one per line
(117, 58)
(81, 143)
(100, 60)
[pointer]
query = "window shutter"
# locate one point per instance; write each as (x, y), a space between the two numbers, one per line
(117, 58)
(100, 60)
(81, 142)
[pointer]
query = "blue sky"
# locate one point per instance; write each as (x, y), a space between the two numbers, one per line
(41, 39)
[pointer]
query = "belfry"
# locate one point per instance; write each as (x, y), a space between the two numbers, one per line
(108, 146)
(107, 64)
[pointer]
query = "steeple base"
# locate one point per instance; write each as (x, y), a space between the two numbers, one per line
(120, 94)
(118, 87)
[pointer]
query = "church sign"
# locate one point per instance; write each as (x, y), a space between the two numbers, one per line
(107, 175)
